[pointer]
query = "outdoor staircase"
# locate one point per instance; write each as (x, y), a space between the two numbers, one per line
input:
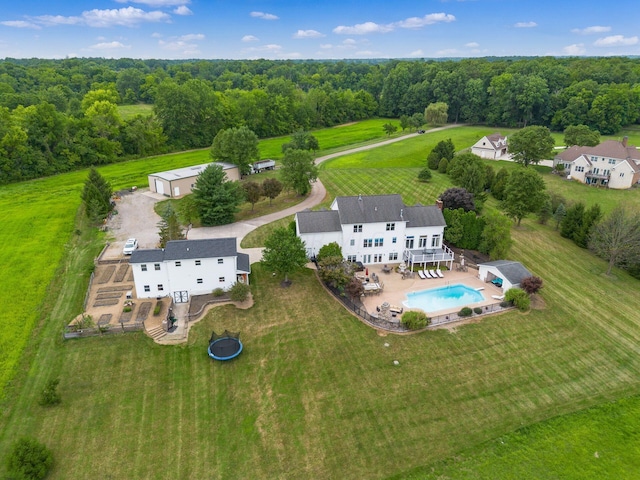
(157, 332)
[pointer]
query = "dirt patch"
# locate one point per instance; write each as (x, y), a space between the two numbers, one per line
(537, 302)
(105, 274)
(143, 312)
(121, 273)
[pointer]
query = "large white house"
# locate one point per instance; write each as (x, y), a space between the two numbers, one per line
(188, 267)
(611, 164)
(377, 229)
(492, 146)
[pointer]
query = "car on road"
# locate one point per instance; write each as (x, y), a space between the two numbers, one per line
(421, 131)
(130, 245)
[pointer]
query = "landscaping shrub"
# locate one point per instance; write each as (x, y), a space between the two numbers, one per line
(465, 312)
(126, 309)
(519, 298)
(505, 304)
(28, 459)
(424, 175)
(157, 309)
(50, 395)
(477, 310)
(531, 284)
(415, 320)
(218, 292)
(239, 292)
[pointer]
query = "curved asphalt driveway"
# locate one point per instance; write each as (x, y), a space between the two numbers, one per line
(317, 195)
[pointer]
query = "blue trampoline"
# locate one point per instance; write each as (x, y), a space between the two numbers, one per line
(224, 346)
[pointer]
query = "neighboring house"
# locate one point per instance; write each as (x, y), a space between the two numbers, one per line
(610, 164)
(377, 229)
(509, 273)
(179, 182)
(492, 146)
(189, 267)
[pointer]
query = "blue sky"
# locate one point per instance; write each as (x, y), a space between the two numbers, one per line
(325, 29)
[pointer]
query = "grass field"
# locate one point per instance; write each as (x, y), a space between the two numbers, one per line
(316, 393)
(129, 111)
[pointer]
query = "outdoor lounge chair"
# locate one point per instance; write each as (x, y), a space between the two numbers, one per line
(428, 274)
(439, 273)
(498, 297)
(422, 275)
(433, 273)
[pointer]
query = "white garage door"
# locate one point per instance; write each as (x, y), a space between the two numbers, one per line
(159, 187)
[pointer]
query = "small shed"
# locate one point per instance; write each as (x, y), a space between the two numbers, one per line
(504, 273)
(179, 182)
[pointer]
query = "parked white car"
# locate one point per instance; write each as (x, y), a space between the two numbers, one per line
(130, 245)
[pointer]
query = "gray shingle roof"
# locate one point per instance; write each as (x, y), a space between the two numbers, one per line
(424, 216)
(608, 149)
(318, 221)
(370, 209)
(243, 264)
(515, 272)
(187, 249)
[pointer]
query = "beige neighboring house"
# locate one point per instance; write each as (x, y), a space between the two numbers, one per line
(179, 182)
(611, 164)
(492, 146)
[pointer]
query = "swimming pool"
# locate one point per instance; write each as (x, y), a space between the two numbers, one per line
(443, 298)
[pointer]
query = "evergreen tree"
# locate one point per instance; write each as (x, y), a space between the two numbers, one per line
(559, 214)
(170, 228)
(96, 196)
(546, 211)
(572, 221)
(499, 184)
(216, 198)
(591, 216)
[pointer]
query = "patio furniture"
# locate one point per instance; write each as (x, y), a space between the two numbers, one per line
(498, 297)
(428, 274)
(497, 282)
(395, 309)
(439, 273)
(386, 269)
(422, 275)
(433, 274)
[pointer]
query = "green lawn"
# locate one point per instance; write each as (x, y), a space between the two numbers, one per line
(315, 392)
(129, 111)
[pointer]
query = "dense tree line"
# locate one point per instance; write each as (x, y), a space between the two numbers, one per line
(58, 115)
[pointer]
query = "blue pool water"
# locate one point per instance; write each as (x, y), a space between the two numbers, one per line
(442, 298)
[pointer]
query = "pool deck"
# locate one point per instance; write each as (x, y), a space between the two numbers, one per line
(395, 288)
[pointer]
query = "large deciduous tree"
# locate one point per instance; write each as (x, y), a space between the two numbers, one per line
(531, 144)
(524, 193)
(581, 135)
(271, 188)
(496, 236)
(299, 170)
(284, 252)
(301, 140)
(617, 238)
(436, 113)
(455, 197)
(469, 172)
(96, 196)
(216, 198)
(238, 146)
(252, 192)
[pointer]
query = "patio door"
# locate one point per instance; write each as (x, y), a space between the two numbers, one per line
(181, 297)
(409, 243)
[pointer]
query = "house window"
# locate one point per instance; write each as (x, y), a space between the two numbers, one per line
(357, 228)
(393, 256)
(351, 258)
(409, 242)
(422, 242)
(612, 161)
(435, 241)
(579, 169)
(622, 175)
(198, 262)
(147, 288)
(160, 287)
(199, 280)
(379, 242)
(352, 242)
(143, 267)
(391, 227)
(394, 240)
(156, 266)
(377, 258)
(178, 263)
(594, 159)
(221, 279)
(367, 242)
(220, 261)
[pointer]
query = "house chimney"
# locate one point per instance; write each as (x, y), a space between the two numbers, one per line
(439, 204)
(625, 140)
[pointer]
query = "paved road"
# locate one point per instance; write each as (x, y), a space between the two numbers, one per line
(137, 215)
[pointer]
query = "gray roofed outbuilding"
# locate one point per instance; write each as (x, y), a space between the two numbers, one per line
(512, 271)
(318, 221)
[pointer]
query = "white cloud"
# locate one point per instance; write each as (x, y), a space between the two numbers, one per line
(190, 37)
(326, 46)
(472, 45)
(591, 30)
(526, 25)
(272, 47)
(157, 3)
(20, 24)
(419, 22)
(417, 53)
(183, 10)
(575, 49)
(157, 35)
(447, 52)
(349, 41)
(367, 53)
(264, 16)
(109, 46)
(362, 29)
(616, 41)
(127, 17)
(411, 23)
(179, 46)
(307, 34)
(250, 38)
